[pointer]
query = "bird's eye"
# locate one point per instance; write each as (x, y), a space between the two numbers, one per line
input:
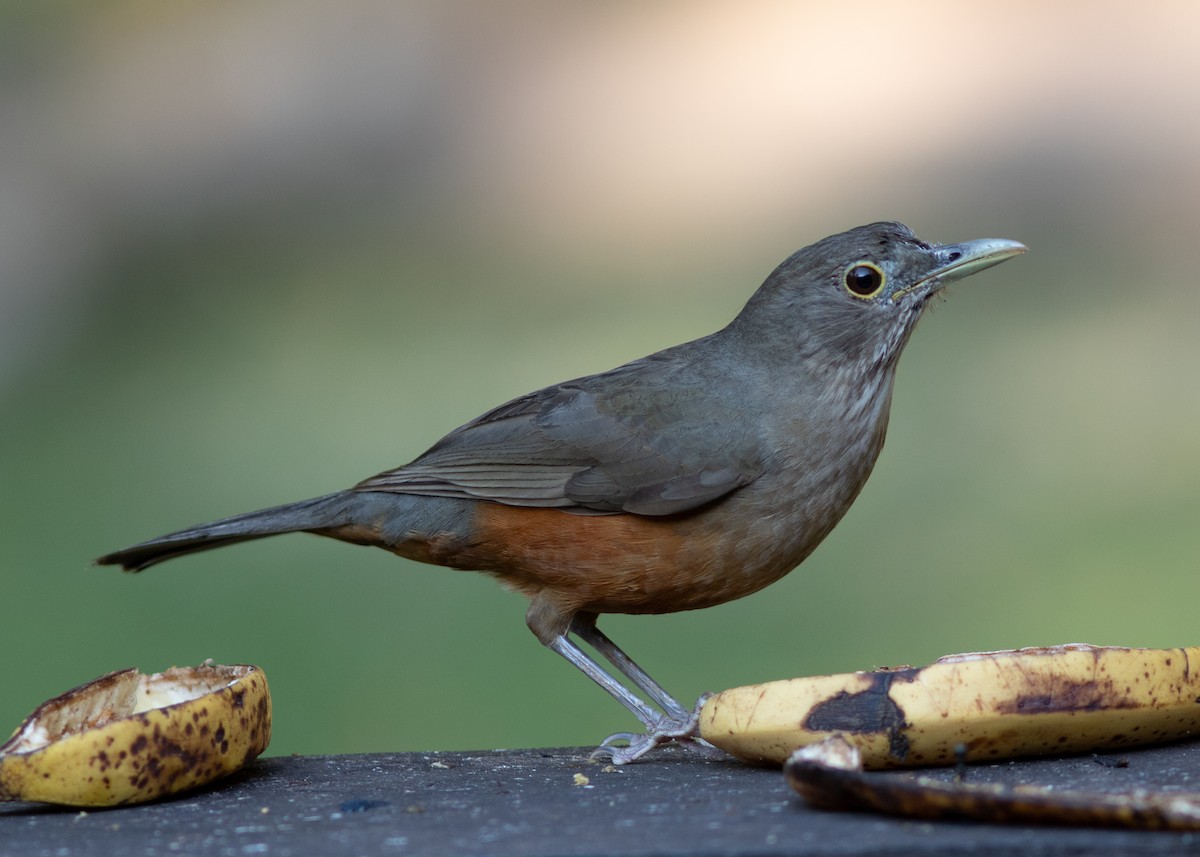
(864, 279)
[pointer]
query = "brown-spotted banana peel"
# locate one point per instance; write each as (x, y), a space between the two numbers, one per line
(982, 706)
(126, 737)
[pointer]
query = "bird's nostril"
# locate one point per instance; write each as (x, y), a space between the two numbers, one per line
(954, 257)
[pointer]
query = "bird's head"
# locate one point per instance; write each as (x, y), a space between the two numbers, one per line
(850, 301)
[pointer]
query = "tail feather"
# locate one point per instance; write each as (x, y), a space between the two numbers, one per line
(318, 513)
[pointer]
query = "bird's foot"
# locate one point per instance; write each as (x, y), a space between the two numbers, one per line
(623, 747)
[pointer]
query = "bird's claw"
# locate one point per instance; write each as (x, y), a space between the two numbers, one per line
(623, 747)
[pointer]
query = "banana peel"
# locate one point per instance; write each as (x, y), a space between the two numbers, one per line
(829, 775)
(127, 738)
(976, 707)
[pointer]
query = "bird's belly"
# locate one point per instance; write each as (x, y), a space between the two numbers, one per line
(638, 564)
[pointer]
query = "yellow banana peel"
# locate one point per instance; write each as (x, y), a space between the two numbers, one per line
(127, 737)
(981, 706)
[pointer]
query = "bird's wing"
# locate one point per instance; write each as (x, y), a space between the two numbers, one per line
(630, 440)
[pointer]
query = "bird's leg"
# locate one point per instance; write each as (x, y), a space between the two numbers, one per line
(584, 627)
(677, 723)
(553, 625)
(585, 664)
(624, 747)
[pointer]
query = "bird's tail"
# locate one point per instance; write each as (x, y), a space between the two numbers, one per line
(319, 513)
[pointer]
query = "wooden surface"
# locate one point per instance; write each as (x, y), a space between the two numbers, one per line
(554, 802)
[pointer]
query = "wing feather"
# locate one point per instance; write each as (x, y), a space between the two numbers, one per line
(630, 440)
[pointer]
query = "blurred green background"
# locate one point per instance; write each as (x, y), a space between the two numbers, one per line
(253, 252)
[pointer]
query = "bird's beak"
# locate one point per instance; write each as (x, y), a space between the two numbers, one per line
(962, 260)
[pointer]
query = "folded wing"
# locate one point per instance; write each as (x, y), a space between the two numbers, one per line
(617, 442)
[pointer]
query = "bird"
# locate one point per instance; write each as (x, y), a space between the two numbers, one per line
(681, 480)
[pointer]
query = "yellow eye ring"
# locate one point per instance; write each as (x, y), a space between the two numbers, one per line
(864, 279)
